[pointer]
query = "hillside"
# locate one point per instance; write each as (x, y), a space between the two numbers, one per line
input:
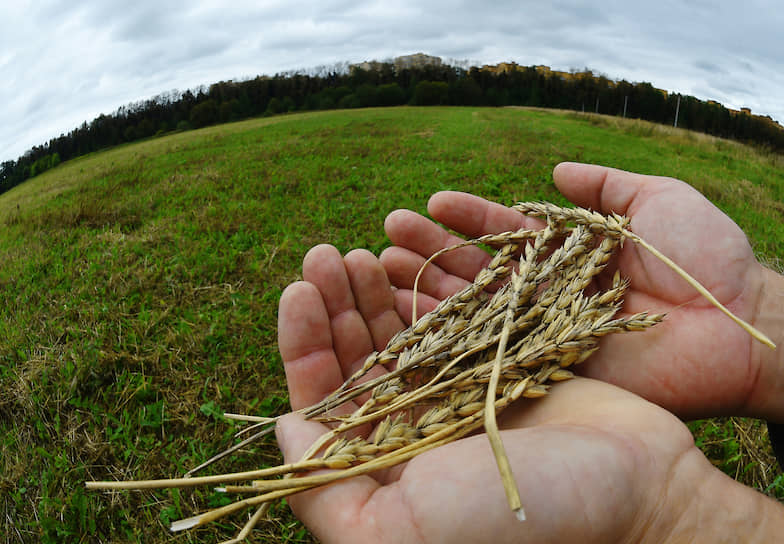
(418, 80)
(139, 286)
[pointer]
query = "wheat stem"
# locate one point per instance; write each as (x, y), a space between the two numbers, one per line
(491, 425)
(700, 289)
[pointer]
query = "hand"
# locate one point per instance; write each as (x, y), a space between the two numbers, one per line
(593, 463)
(697, 362)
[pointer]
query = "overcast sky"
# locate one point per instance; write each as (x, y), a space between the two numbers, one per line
(63, 62)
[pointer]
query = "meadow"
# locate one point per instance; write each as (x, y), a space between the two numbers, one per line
(139, 288)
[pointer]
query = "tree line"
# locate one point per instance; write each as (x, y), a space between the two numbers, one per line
(384, 85)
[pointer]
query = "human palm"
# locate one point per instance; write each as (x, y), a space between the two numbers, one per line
(697, 362)
(593, 462)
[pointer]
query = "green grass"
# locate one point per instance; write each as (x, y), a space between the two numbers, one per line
(139, 286)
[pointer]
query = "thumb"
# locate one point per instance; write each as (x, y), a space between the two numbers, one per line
(328, 510)
(295, 435)
(601, 188)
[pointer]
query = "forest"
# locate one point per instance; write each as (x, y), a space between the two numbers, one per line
(385, 84)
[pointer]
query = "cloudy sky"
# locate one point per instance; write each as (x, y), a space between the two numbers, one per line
(67, 61)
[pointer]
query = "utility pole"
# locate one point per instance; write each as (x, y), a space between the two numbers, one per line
(625, 101)
(677, 111)
(597, 104)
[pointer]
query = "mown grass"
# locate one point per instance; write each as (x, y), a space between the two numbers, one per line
(139, 287)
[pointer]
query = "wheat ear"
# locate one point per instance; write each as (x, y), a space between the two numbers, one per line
(501, 347)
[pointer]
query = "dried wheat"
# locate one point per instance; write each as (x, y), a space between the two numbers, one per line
(459, 365)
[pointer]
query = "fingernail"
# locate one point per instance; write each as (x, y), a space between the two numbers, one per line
(280, 435)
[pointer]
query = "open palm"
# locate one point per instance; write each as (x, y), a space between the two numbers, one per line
(697, 362)
(593, 463)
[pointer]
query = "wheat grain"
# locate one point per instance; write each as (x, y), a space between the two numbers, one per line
(459, 365)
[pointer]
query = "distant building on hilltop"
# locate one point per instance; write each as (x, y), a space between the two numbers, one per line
(502, 68)
(368, 66)
(417, 60)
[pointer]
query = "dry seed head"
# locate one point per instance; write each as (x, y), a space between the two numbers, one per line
(537, 324)
(560, 375)
(535, 391)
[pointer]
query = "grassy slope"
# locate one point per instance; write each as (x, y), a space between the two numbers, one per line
(139, 286)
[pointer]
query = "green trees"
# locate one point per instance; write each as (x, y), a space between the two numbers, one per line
(431, 93)
(385, 85)
(204, 114)
(465, 91)
(280, 105)
(45, 163)
(390, 94)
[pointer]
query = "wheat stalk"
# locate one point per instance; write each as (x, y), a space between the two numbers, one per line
(461, 364)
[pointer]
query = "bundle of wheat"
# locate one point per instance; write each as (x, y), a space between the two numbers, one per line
(459, 365)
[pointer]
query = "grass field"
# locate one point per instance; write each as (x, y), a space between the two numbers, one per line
(139, 287)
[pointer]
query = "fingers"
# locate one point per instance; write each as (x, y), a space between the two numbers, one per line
(467, 214)
(675, 218)
(323, 267)
(416, 238)
(423, 237)
(600, 188)
(358, 299)
(404, 302)
(351, 340)
(305, 343)
(329, 323)
(474, 216)
(374, 297)
(403, 265)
